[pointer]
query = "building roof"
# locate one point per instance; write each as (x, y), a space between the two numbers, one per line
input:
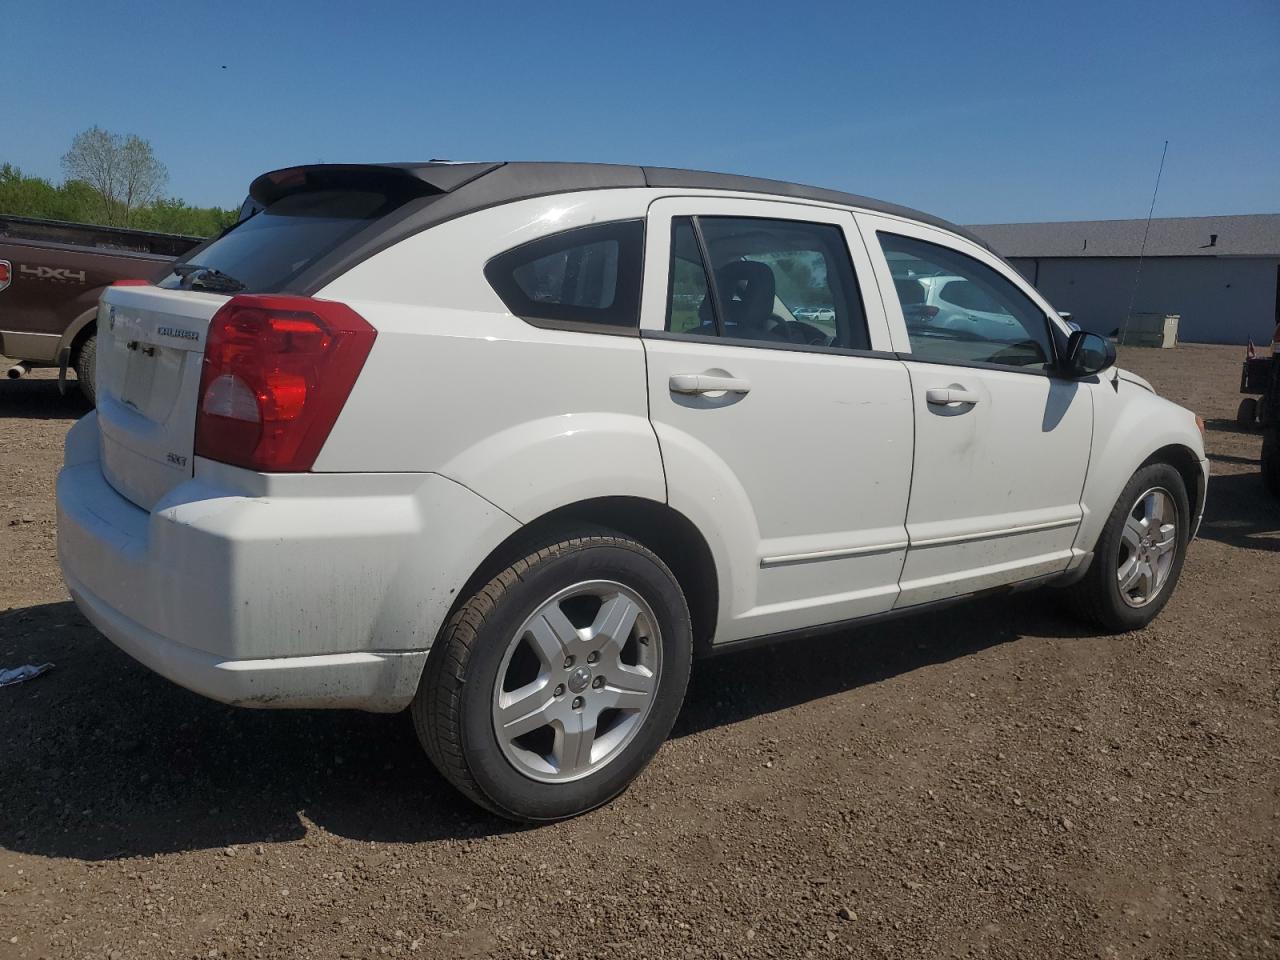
(1250, 235)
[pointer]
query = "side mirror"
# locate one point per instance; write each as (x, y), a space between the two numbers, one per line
(1087, 354)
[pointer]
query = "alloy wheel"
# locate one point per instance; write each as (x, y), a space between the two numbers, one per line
(1148, 547)
(577, 681)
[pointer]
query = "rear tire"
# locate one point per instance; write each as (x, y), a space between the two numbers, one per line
(86, 365)
(1113, 594)
(1271, 460)
(1247, 412)
(590, 696)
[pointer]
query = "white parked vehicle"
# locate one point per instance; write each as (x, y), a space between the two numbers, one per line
(508, 443)
(961, 306)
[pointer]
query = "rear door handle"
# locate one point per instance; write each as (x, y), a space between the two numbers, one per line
(947, 395)
(707, 383)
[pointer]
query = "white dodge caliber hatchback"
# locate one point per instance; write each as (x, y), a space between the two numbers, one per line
(507, 444)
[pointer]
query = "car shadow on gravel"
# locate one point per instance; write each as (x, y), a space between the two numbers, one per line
(1240, 513)
(1232, 426)
(100, 759)
(38, 399)
(738, 686)
(103, 759)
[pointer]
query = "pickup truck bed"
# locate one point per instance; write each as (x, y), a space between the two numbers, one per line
(51, 276)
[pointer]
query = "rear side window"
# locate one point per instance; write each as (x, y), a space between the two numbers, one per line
(587, 277)
(263, 253)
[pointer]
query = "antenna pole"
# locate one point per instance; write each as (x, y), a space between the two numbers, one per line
(1137, 277)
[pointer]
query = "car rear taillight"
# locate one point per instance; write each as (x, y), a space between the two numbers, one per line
(130, 282)
(276, 373)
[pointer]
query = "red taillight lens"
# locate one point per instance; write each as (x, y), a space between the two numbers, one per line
(130, 282)
(276, 373)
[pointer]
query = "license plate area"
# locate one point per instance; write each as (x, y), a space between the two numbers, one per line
(152, 376)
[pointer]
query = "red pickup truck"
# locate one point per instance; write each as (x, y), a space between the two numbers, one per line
(51, 275)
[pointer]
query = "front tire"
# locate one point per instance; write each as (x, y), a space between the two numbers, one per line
(1247, 412)
(554, 684)
(1138, 558)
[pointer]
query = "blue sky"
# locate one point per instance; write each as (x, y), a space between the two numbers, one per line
(975, 111)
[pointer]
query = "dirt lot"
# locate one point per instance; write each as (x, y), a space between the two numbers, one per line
(991, 781)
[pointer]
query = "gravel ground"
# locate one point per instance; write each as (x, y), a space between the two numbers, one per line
(995, 781)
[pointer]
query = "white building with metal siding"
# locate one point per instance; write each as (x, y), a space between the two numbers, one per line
(1221, 275)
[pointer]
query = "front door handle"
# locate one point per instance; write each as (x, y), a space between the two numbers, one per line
(943, 396)
(707, 383)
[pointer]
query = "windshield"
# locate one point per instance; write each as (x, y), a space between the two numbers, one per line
(263, 253)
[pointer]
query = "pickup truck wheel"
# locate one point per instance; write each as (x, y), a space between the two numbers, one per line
(1247, 412)
(1138, 557)
(552, 687)
(1271, 460)
(86, 364)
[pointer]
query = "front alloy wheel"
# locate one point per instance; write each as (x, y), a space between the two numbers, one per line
(1139, 554)
(1148, 546)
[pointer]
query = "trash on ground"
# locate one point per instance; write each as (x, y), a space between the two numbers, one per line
(18, 674)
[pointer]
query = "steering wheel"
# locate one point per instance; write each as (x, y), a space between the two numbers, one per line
(797, 331)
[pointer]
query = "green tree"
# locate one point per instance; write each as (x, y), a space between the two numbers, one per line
(31, 196)
(122, 170)
(170, 215)
(77, 202)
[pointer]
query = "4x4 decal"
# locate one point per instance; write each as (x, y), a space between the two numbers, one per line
(57, 274)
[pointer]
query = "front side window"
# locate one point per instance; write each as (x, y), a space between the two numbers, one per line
(589, 275)
(776, 281)
(959, 310)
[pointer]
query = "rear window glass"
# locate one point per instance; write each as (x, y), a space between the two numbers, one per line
(589, 275)
(272, 247)
(965, 293)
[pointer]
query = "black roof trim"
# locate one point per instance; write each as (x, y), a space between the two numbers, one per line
(445, 191)
(697, 180)
(412, 179)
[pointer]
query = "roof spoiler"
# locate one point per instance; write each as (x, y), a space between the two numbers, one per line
(405, 180)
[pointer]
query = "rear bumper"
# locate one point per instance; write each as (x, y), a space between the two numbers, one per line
(35, 347)
(380, 682)
(314, 591)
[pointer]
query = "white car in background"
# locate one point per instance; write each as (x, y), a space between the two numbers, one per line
(964, 305)
(507, 444)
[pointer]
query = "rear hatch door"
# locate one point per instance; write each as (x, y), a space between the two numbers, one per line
(152, 339)
(150, 346)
